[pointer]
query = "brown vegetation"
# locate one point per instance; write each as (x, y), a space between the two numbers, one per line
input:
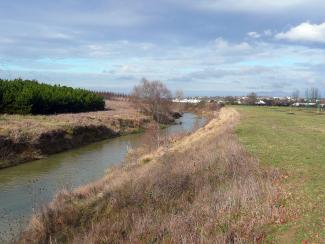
(202, 189)
(28, 137)
(154, 99)
(206, 109)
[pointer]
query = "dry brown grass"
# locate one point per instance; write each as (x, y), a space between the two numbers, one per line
(26, 137)
(202, 189)
(22, 127)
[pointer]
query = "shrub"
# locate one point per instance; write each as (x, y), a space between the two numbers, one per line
(30, 97)
(153, 98)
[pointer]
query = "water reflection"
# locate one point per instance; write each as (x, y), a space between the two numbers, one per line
(24, 188)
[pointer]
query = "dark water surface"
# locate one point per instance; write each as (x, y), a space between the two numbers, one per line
(24, 188)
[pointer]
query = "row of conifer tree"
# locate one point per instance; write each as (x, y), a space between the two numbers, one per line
(31, 97)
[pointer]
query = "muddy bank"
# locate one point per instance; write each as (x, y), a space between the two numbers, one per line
(26, 147)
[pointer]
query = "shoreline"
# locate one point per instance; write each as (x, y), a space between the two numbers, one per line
(27, 138)
(175, 180)
(60, 140)
(68, 170)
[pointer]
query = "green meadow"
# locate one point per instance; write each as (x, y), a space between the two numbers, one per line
(292, 140)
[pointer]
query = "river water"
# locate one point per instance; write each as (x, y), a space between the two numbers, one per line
(27, 187)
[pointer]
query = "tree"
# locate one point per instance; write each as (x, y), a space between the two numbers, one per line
(153, 98)
(179, 95)
(312, 94)
(28, 96)
(230, 100)
(251, 98)
(295, 95)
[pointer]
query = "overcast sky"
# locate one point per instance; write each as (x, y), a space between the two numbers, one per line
(208, 47)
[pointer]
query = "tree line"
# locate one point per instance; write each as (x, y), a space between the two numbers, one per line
(31, 97)
(111, 95)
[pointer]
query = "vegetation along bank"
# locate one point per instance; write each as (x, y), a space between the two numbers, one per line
(198, 188)
(28, 137)
(31, 128)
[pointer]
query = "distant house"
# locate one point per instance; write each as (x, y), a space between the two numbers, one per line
(186, 100)
(304, 104)
(260, 103)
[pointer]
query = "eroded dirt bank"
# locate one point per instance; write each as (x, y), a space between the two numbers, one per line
(26, 138)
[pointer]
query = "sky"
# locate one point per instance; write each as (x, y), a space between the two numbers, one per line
(203, 47)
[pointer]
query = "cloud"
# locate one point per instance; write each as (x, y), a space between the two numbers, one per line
(215, 66)
(252, 6)
(113, 44)
(223, 45)
(254, 34)
(267, 33)
(305, 32)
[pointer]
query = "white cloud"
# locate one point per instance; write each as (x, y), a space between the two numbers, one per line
(223, 45)
(215, 66)
(254, 34)
(305, 32)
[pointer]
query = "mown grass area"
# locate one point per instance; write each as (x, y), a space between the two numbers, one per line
(292, 140)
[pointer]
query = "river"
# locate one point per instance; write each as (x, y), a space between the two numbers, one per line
(27, 187)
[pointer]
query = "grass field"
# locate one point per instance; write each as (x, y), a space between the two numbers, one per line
(293, 141)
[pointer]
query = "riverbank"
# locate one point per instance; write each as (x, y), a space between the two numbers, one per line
(201, 187)
(25, 138)
(28, 187)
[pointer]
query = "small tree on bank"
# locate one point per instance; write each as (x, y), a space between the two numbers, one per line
(153, 98)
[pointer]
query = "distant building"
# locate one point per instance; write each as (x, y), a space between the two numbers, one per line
(260, 102)
(187, 100)
(304, 104)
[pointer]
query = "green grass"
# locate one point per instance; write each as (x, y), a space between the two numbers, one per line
(292, 140)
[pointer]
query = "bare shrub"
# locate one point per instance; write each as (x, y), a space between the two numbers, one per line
(154, 99)
(151, 137)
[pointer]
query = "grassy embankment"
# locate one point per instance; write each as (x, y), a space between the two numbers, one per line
(28, 137)
(295, 143)
(203, 188)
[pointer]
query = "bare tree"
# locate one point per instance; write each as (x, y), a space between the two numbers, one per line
(179, 95)
(312, 94)
(153, 98)
(251, 98)
(295, 95)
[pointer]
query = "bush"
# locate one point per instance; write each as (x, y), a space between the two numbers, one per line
(30, 97)
(153, 98)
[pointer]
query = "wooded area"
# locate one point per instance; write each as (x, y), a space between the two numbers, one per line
(31, 97)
